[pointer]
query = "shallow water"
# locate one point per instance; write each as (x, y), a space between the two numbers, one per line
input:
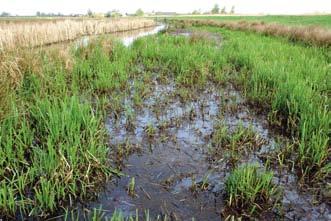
(167, 162)
(173, 177)
(127, 37)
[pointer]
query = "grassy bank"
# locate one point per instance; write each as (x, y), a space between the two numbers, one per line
(48, 31)
(311, 35)
(53, 144)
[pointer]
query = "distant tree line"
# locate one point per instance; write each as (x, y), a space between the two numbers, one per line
(139, 12)
(216, 10)
(115, 13)
(43, 14)
(5, 14)
(40, 14)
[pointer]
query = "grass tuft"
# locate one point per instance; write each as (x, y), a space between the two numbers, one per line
(250, 191)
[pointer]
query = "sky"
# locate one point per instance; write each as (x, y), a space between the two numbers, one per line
(30, 7)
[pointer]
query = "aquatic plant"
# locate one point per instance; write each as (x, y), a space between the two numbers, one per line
(250, 191)
(150, 130)
(230, 146)
(131, 187)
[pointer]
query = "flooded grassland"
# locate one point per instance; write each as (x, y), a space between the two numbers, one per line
(177, 144)
(187, 136)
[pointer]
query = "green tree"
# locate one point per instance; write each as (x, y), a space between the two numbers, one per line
(196, 12)
(232, 10)
(4, 14)
(139, 12)
(216, 9)
(113, 13)
(108, 14)
(89, 13)
(223, 11)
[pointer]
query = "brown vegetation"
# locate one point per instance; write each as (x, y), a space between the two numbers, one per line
(42, 32)
(308, 34)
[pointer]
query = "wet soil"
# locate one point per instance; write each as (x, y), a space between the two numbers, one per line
(168, 140)
(171, 160)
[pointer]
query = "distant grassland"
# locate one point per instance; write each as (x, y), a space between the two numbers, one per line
(316, 20)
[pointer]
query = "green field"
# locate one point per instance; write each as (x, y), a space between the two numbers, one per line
(319, 20)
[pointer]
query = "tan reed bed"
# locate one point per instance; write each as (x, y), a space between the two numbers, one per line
(308, 34)
(42, 32)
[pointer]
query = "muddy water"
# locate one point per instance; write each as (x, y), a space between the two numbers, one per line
(170, 161)
(295, 204)
(168, 141)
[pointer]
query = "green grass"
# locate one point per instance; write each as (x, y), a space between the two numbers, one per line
(289, 82)
(168, 55)
(250, 191)
(102, 69)
(316, 20)
(53, 145)
(50, 155)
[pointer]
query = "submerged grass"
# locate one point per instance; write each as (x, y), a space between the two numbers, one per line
(99, 214)
(232, 145)
(240, 139)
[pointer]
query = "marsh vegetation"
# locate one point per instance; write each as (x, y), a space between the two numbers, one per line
(197, 122)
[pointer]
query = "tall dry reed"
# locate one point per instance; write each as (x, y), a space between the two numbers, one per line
(42, 32)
